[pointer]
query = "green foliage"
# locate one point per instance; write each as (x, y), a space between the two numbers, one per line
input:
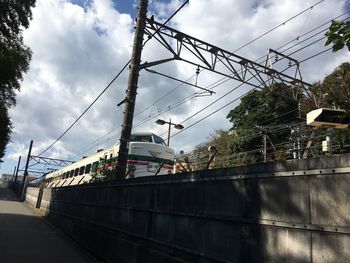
(14, 55)
(275, 112)
(259, 106)
(266, 108)
(335, 90)
(5, 129)
(261, 112)
(14, 58)
(338, 35)
(222, 140)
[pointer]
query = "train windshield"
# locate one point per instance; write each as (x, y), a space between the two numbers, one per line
(158, 140)
(141, 138)
(147, 138)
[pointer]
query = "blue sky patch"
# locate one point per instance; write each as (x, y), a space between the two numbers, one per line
(123, 6)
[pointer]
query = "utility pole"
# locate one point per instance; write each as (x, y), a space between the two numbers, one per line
(168, 141)
(19, 162)
(14, 173)
(264, 143)
(26, 170)
(132, 88)
(295, 135)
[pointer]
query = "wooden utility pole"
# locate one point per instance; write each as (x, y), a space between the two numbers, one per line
(14, 173)
(132, 88)
(19, 162)
(26, 171)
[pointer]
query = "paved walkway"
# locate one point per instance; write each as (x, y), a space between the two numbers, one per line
(25, 237)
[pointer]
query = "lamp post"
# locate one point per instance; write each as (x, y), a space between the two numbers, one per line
(176, 126)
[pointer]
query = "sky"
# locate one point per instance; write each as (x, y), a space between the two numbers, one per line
(79, 46)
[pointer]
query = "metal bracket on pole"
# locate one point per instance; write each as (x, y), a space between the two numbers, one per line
(206, 56)
(49, 161)
(154, 63)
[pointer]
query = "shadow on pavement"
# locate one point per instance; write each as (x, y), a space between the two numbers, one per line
(28, 238)
(7, 195)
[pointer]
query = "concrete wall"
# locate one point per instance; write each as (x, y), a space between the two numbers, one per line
(3, 183)
(296, 211)
(32, 195)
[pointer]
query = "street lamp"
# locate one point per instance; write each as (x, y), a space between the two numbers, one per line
(176, 126)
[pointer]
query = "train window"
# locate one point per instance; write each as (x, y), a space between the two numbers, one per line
(76, 172)
(111, 156)
(158, 140)
(63, 176)
(141, 138)
(81, 170)
(71, 173)
(94, 167)
(88, 168)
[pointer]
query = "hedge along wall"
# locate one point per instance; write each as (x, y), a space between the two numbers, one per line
(293, 211)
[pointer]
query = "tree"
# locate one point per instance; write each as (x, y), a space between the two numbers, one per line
(14, 55)
(332, 92)
(337, 87)
(5, 129)
(273, 111)
(221, 140)
(335, 91)
(269, 111)
(14, 58)
(339, 35)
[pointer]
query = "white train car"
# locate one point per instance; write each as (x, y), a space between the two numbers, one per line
(148, 155)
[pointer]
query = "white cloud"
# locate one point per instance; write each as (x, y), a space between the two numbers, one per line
(78, 50)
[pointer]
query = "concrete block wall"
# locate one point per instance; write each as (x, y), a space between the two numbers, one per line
(296, 211)
(32, 195)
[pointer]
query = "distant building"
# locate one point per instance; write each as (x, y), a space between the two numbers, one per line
(10, 177)
(7, 177)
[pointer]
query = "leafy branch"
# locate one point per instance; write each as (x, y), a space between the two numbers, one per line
(338, 34)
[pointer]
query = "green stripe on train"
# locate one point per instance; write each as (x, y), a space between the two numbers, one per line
(135, 157)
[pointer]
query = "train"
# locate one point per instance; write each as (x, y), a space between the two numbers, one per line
(148, 156)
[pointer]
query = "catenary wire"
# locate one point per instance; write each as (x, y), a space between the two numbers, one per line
(282, 24)
(113, 80)
(205, 117)
(247, 43)
(239, 85)
(81, 115)
(224, 79)
(260, 36)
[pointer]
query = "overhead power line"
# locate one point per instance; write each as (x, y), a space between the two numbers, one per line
(225, 79)
(114, 78)
(212, 113)
(260, 36)
(282, 24)
(102, 92)
(166, 22)
(222, 80)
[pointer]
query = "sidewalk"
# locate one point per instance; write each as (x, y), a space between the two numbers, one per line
(25, 237)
